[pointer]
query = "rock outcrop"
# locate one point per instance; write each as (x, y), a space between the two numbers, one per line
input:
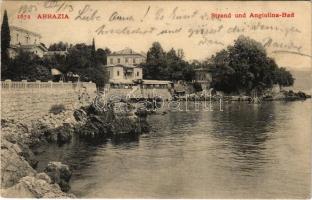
(18, 175)
(286, 96)
(13, 165)
(60, 174)
(111, 120)
(18, 162)
(35, 187)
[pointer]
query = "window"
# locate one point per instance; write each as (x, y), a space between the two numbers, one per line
(17, 37)
(138, 73)
(117, 73)
(126, 59)
(111, 61)
(133, 60)
(118, 60)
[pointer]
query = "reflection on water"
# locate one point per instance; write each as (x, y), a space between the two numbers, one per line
(246, 151)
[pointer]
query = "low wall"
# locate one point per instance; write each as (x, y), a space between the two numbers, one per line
(27, 101)
(160, 92)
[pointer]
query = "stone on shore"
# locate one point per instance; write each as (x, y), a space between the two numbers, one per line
(13, 165)
(60, 174)
(119, 119)
(34, 187)
(18, 177)
(28, 155)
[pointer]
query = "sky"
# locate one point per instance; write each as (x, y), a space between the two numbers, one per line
(181, 25)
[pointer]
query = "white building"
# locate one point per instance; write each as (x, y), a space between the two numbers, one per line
(21, 36)
(124, 71)
(123, 67)
(25, 40)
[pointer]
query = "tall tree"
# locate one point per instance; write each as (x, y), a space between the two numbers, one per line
(93, 54)
(80, 61)
(101, 55)
(154, 62)
(5, 38)
(161, 65)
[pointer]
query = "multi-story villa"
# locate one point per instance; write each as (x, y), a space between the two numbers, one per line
(22, 39)
(126, 76)
(123, 66)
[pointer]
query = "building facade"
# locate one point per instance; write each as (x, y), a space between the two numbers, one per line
(21, 36)
(25, 40)
(123, 66)
(126, 57)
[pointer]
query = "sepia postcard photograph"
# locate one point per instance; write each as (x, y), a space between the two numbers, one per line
(156, 99)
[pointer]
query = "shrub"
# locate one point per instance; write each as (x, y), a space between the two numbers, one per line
(56, 109)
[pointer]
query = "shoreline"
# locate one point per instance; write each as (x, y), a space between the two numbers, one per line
(20, 143)
(20, 177)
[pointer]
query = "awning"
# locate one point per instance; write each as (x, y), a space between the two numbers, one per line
(55, 72)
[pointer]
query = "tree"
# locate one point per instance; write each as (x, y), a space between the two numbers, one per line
(5, 38)
(244, 67)
(161, 65)
(60, 46)
(154, 62)
(177, 68)
(101, 55)
(27, 66)
(56, 61)
(283, 77)
(80, 60)
(93, 54)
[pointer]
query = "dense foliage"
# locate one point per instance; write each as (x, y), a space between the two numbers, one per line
(27, 66)
(245, 66)
(81, 59)
(60, 46)
(161, 65)
(87, 62)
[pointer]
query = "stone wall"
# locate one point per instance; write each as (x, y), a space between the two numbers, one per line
(27, 101)
(147, 92)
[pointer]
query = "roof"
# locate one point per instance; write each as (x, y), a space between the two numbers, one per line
(126, 51)
(147, 82)
(154, 82)
(24, 30)
(30, 46)
(55, 72)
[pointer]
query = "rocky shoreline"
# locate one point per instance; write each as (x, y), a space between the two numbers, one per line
(19, 177)
(281, 96)
(94, 122)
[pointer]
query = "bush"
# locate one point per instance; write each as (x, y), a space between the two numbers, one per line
(57, 109)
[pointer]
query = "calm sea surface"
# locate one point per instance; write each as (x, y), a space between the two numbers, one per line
(246, 151)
